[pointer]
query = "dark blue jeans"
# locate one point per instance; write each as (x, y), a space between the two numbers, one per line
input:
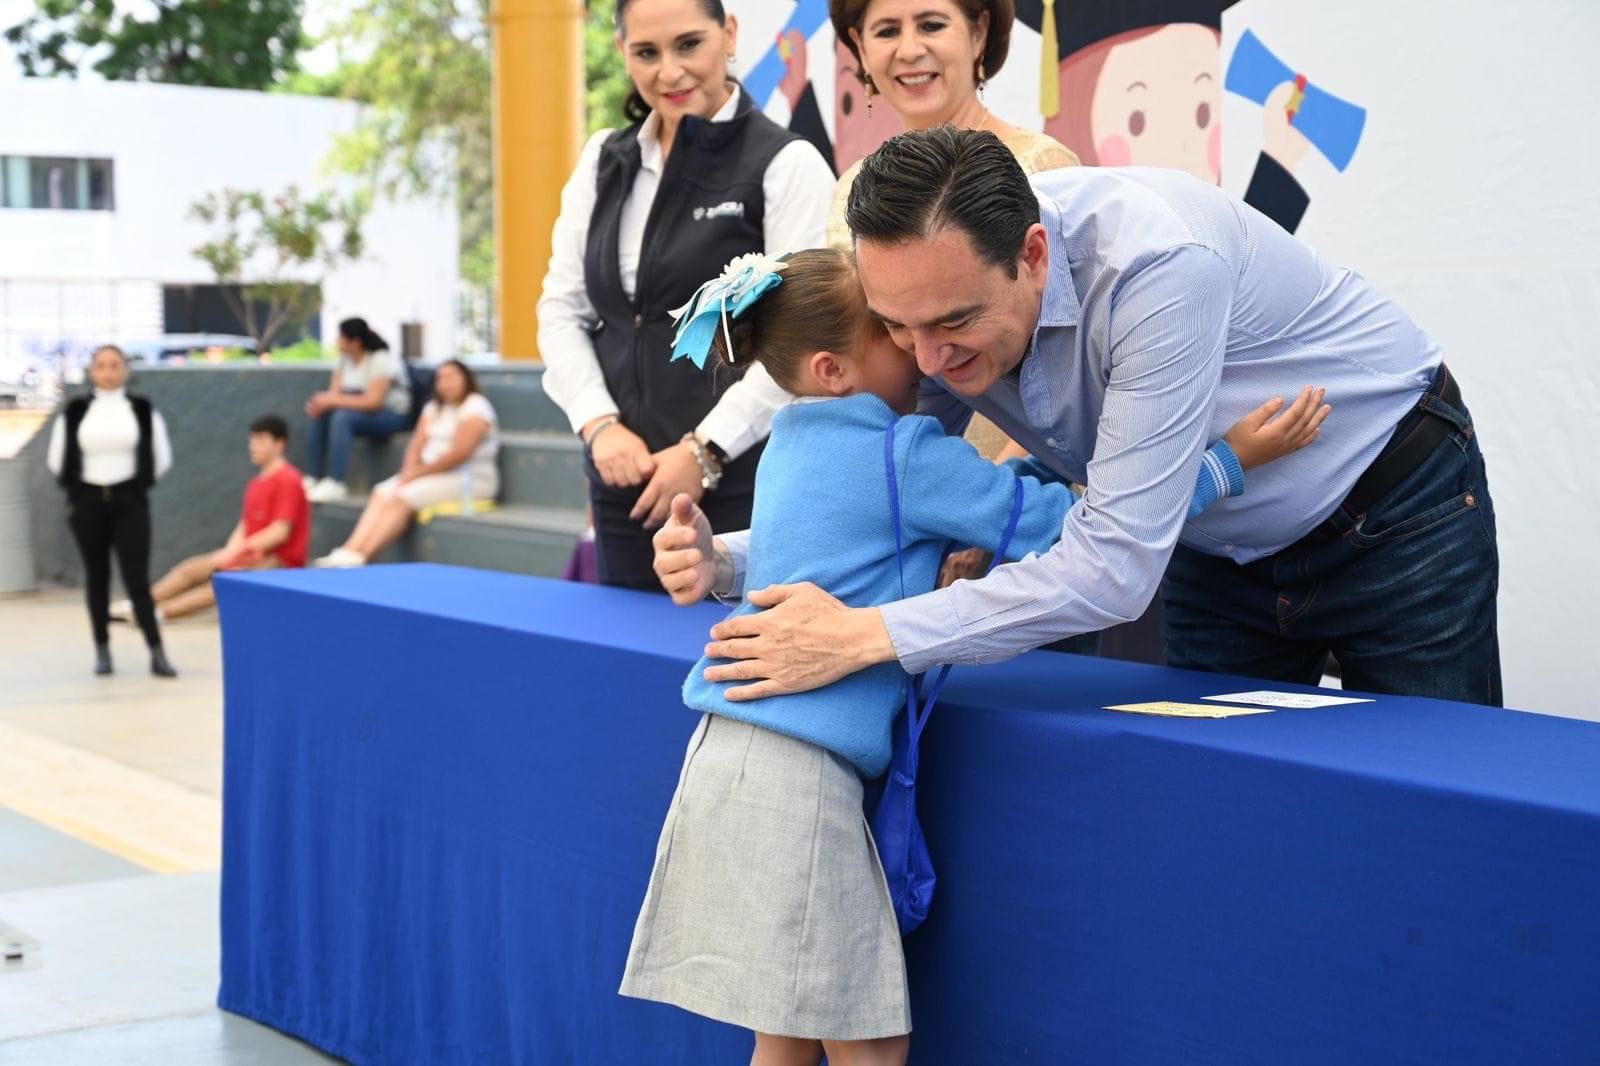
(334, 434)
(1404, 596)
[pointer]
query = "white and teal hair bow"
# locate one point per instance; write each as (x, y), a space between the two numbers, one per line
(728, 295)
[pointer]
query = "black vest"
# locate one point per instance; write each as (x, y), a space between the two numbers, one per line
(708, 209)
(145, 453)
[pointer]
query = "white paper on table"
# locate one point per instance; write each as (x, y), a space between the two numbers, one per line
(1296, 700)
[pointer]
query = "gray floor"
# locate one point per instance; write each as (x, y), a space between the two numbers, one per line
(37, 856)
(126, 965)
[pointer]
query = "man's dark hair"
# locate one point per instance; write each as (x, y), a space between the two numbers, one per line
(917, 183)
(272, 426)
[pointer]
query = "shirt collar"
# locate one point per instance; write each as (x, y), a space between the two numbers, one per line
(650, 131)
(1060, 304)
(1042, 367)
(110, 394)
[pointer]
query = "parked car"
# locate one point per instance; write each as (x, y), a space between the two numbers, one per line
(187, 346)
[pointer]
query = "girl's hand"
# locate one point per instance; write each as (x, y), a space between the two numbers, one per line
(1258, 441)
(621, 456)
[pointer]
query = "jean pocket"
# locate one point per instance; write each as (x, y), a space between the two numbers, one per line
(1371, 533)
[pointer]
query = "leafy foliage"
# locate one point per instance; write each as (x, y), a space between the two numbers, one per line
(272, 252)
(231, 44)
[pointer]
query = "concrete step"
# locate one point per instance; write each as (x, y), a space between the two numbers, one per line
(543, 469)
(519, 400)
(517, 538)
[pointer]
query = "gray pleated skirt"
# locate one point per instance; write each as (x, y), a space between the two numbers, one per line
(768, 908)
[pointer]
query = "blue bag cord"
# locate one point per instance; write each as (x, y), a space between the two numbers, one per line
(903, 765)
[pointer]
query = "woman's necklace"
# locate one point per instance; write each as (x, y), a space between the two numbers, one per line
(987, 114)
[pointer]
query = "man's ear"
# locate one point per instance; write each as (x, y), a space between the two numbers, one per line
(1035, 259)
(834, 375)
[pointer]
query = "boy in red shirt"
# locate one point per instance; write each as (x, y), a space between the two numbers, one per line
(274, 529)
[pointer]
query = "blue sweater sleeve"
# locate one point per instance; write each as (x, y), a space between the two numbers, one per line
(1220, 475)
(948, 491)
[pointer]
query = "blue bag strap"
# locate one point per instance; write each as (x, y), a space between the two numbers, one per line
(916, 720)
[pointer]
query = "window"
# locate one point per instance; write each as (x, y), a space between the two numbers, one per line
(56, 183)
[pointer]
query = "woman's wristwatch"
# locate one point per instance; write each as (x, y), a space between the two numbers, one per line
(707, 458)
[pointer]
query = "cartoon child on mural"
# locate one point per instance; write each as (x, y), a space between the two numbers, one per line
(1141, 85)
(857, 129)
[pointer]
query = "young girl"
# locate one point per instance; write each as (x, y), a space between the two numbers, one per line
(767, 907)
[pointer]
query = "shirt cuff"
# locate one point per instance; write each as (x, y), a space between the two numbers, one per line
(738, 547)
(588, 406)
(924, 630)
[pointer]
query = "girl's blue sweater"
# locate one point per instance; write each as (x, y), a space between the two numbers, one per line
(822, 515)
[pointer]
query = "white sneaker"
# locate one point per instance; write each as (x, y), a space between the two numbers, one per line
(327, 491)
(307, 482)
(340, 559)
(121, 611)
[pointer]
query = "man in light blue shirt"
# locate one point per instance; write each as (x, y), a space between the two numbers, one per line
(1112, 322)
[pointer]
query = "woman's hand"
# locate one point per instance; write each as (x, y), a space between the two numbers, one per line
(318, 405)
(676, 474)
(1258, 441)
(618, 453)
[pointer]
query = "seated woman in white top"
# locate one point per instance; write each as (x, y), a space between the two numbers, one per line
(451, 457)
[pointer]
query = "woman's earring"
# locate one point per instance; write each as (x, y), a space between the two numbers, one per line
(869, 90)
(982, 79)
(733, 64)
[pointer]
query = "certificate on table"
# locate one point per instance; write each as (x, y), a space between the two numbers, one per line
(1168, 709)
(1296, 700)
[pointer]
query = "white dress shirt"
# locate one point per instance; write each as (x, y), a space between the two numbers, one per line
(109, 439)
(797, 189)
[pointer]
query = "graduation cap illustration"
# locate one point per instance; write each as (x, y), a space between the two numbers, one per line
(1331, 124)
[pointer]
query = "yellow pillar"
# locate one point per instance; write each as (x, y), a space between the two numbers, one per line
(538, 131)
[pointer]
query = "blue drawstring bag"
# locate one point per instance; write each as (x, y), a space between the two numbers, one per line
(895, 829)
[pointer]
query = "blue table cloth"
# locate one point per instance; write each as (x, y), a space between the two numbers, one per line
(443, 789)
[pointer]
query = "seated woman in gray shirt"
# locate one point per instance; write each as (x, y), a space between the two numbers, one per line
(368, 396)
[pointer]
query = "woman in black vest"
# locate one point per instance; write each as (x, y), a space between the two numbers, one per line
(651, 211)
(107, 449)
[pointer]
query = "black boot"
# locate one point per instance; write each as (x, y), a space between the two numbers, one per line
(102, 659)
(159, 665)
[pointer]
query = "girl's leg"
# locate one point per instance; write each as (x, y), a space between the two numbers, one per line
(786, 1051)
(889, 1051)
(391, 516)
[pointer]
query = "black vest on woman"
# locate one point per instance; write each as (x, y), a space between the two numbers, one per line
(71, 476)
(708, 209)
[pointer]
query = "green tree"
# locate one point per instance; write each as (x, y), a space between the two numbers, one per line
(233, 44)
(426, 78)
(269, 254)
(607, 79)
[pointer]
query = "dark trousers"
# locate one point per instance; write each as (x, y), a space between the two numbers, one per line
(624, 548)
(1404, 594)
(103, 520)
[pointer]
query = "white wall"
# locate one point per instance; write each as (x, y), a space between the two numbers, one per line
(172, 145)
(1474, 201)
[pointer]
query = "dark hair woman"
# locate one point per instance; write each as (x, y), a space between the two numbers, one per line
(699, 177)
(368, 396)
(107, 449)
(451, 460)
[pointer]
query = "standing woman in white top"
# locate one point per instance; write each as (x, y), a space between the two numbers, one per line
(452, 456)
(368, 396)
(652, 211)
(107, 450)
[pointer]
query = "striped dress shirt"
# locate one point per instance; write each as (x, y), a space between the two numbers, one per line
(1171, 310)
